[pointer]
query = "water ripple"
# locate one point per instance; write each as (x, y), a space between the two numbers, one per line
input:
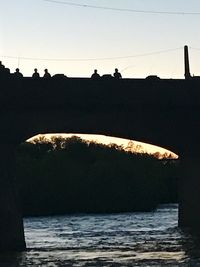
(130, 239)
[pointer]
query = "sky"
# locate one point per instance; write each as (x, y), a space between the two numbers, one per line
(58, 33)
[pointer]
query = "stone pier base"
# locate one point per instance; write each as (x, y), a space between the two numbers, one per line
(189, 194)
(11, 223)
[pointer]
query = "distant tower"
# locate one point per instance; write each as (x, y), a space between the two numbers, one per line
(187, 65)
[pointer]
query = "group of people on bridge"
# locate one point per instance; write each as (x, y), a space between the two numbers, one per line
(6, 71)
(116, 75)
(37, 75)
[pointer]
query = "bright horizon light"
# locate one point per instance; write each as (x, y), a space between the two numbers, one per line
(139, 147)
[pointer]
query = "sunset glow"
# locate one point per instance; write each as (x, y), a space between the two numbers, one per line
(128, 145)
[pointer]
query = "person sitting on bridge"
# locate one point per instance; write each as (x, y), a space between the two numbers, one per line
(2, 67)
(95, 75)
(36, 74)
(46, 74)
(17, 73)
(4, 71)
(117, 74)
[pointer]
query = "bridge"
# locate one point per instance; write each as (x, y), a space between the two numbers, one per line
(163, 112)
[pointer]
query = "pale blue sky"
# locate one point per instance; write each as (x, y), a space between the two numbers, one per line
(40, 29)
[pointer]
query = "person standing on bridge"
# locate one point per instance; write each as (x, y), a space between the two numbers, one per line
(36, 74)
(95, 75)
(117, 74)
(46, 74)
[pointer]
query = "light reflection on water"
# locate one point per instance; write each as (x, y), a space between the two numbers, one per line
(130, 239)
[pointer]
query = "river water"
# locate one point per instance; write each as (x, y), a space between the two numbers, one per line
(130, 239)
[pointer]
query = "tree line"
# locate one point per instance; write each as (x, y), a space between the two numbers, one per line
(70, 175)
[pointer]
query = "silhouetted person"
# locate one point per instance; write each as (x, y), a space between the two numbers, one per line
(18, 74)
(95, 75)
(7, 71)
(3, 70)
(117, 74)
(2, 67)
(46, 74)
(36, 74)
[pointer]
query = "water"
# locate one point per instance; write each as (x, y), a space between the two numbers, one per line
(130, 239)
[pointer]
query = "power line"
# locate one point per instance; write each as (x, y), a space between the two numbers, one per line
(193, 48)
(123, 9)
(93, 59)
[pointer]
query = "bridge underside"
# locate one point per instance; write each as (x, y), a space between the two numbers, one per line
(161, 112)
(162, 128)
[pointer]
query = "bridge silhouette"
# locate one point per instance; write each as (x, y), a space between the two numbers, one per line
(163, 112)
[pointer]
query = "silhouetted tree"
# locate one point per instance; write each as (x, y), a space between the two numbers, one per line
(65, 175)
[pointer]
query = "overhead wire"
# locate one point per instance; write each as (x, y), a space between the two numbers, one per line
(194, 48)
(122, 9)
(92, 59)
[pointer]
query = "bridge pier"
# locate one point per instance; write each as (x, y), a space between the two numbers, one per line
(189, 194)
(11, 222)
